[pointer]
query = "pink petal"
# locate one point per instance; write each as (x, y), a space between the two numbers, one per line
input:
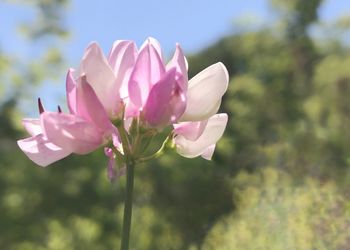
(113, 173)
(166, 101)
(155, 43)
(41, 151)
(71, 132)
(212, 133)
(111, 166)
(190, 130)
(32, 126)
(122, 58)
(116, 141)
(180, 63)
(101, 78)
(71, 92)
(130, 109)
(147, 71)
(89, 106)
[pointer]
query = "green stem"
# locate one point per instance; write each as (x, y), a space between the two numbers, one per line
(128, 205)
(130, 165)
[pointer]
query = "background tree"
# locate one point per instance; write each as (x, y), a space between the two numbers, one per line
(279, 177)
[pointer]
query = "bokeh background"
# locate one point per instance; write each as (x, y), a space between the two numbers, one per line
(280, 176)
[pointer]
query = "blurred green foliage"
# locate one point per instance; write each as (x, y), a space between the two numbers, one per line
(49, 18)
(277, 212)
(46, 31)
(279, 178)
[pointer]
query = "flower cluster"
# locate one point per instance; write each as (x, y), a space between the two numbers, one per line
(121, 101)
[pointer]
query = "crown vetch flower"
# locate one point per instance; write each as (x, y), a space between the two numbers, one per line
(109, 76)
(200, 128)
(158, 90)
(56, 135)
(37, 147)
(121, 101)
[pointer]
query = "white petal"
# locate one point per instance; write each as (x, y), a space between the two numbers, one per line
(205, 91)
(32, 126)
(213, 131)
(208, 152)
(41, 151)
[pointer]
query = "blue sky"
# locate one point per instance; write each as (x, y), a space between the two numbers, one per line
(193, 23)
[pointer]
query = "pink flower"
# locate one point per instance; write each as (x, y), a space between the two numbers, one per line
(149, 93)
(199, 138)
(55, 134)
(156, 90)
(139, 80)
(109, 77)
(200, 128)
(91, 100)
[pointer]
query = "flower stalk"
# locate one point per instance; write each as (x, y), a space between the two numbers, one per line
(128, 205)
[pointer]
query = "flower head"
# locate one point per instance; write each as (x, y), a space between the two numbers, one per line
(56, 134)
(123, 100)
